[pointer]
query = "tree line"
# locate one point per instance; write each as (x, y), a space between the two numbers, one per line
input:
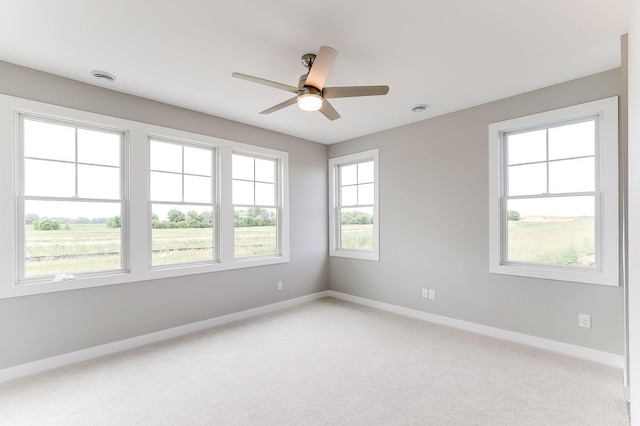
(31, 218)
(254, 216)
(356, 218)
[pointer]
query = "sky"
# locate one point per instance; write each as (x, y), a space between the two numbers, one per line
(558, 161)
(62, 161)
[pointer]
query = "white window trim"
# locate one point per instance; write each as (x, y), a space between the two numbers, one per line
(124, 143)
(278, 205)
(136, 164)
(334, 223)
(607, 217)
(214, 201)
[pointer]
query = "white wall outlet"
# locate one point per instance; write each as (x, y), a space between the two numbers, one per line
(425, 293)
(279, 285)
(584, 320)
(432, 294)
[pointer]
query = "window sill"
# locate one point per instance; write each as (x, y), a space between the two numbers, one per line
(567, 274)
(355, 254)
(50, 286)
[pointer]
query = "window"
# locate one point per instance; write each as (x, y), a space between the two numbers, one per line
(182, 202)
(353, 186)
(71, 185)
(255, 205)
(554, 208)
(92, 200)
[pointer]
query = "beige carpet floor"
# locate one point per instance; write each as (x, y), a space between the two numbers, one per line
(323, 363)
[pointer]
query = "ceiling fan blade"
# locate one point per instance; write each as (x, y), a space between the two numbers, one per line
(352, 91)
(280, 105)
(329, 111)
(321, 67)
(265, 82)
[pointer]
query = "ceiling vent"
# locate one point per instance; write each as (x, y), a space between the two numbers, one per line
(419, 108)
(103, 76)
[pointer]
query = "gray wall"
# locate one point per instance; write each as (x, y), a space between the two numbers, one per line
(36, 327)
(434, 228)
(434, 172)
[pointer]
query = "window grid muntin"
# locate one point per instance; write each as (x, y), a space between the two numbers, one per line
(21, 117)
(213, 205)
(275, 182)
(340, 206)
(547, 161)
(596, 193)
(356, 185)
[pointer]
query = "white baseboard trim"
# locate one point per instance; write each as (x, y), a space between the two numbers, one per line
(525, 339)
(134, 342)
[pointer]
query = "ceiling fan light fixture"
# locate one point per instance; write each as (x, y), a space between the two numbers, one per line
(310, 102)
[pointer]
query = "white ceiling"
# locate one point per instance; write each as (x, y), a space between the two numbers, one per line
(449, 54)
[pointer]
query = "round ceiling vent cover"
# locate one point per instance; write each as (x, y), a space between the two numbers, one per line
(103, 76)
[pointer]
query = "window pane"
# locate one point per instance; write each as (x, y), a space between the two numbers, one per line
(365, 172)
(49, 178)
(365, 194)
(71, 237)
(556, 231)
(166, 157)
(98, 147)
(166, 186)
(98, 182)
(349, 174)
(51, 141)
(265, 194)
(242, 167)
(255, 232)
(197, 189)
(197, 161)
(349, 195)
(573, 140)
(243, 192)
(528, 147)
(572, 175)
(530, 179)
(181, 234)
(265, 170)
(356, 228)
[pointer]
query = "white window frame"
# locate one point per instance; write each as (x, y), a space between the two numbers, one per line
(334, 206)
(213, 204)
(136, 235)
(279, 199)
(606, 271)
(22, 197)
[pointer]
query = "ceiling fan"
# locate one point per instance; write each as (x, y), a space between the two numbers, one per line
(311, 95)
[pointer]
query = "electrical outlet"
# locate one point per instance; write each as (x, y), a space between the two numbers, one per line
(432, 295)
(425, 293)
(584, 320)
(279, 285)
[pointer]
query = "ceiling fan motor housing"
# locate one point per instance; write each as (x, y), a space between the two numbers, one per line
(309, 90)
(307, 60)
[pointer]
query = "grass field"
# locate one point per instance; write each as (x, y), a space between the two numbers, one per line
(85, 248)
(553, 242)
(356, 237)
